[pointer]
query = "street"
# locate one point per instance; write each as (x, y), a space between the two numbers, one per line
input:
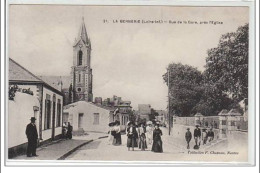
(173, 150)
(101, 150)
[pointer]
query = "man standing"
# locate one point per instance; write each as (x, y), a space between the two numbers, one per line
(188, 137)
(69, 132)
(32, 135)
(197, 134)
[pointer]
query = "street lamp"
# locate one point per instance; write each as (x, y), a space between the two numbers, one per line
(169, 110)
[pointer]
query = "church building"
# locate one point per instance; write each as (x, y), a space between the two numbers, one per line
(81, 71)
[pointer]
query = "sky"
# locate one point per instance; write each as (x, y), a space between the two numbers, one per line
(128, 60)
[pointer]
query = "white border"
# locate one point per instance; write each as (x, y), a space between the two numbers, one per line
(252, 92)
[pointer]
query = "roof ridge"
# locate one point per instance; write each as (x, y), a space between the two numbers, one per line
(10, 59)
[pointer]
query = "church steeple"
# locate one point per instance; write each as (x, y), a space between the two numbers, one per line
(83, 32)
(81, 72)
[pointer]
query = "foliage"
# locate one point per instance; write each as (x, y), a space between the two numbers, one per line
(185, 90)
(227, 64)
(70, 93)
(153, 114)
(132, 116)
(221, 86)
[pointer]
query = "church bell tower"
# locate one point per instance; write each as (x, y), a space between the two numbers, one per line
(81, 72)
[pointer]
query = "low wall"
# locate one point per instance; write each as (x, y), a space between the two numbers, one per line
(178, 131)
(211, 121)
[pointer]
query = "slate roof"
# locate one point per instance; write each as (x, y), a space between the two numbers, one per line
(198, 115)
(234, 112)
(224, 112)
(19, 73)
(55, 80)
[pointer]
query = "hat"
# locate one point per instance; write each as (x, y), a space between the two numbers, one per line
(117, 122)
(188, 128)
(33, 118)
(111, 124)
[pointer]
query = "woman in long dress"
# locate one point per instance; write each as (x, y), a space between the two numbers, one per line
(149, 134)
(117, 139)
(131, 136)
(157, 141)
(110, 136)
(142, 137)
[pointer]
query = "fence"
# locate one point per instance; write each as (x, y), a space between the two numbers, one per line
(239, 124)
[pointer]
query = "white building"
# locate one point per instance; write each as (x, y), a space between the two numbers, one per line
(87, 116)
(32, 98)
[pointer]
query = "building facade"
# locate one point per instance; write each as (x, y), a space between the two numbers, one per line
(29, 96)
(162, 115)
(86, 116)
(81, 71)
(144, 110)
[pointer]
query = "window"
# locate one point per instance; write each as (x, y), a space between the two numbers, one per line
(79, 89)
(80, 57)
(80, 120)
(47, 116)
(223, 122)
(96, 118)
(79, 79)
(58, 124)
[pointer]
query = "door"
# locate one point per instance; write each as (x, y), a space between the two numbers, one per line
(80, 122)
(53, 121)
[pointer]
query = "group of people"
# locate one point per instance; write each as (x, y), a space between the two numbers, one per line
(114, 133)
(204, 136)
(67, 130)
(140, 136)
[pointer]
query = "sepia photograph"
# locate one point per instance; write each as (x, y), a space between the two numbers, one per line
(93, 83)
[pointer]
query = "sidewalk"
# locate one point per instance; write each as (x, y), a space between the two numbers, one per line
(59, 150)
(178, 140)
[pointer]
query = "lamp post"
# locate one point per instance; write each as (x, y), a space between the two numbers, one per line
(169, 110)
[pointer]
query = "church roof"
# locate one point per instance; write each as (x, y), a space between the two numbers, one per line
(83, 33)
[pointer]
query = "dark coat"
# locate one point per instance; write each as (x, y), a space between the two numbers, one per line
(134, 133)
(31, 132)
(197, 132)
(188, 136)
(157, 141)
(211, 134)
(132, 138)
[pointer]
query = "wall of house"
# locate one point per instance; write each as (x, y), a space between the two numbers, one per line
(47, 133)
(20, 110)
(88, 110)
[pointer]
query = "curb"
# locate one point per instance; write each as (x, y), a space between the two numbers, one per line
(102, 137)
(73, 150)
(213, 145)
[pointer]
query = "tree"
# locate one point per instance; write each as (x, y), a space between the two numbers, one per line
(227, 64)
(70, 93)
(185, 88)
(212, 101)
(132, 116)
(153, 114)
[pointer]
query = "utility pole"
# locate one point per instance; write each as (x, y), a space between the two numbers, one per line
(169, 114)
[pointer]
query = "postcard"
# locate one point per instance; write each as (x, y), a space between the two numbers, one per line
(143, 84)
